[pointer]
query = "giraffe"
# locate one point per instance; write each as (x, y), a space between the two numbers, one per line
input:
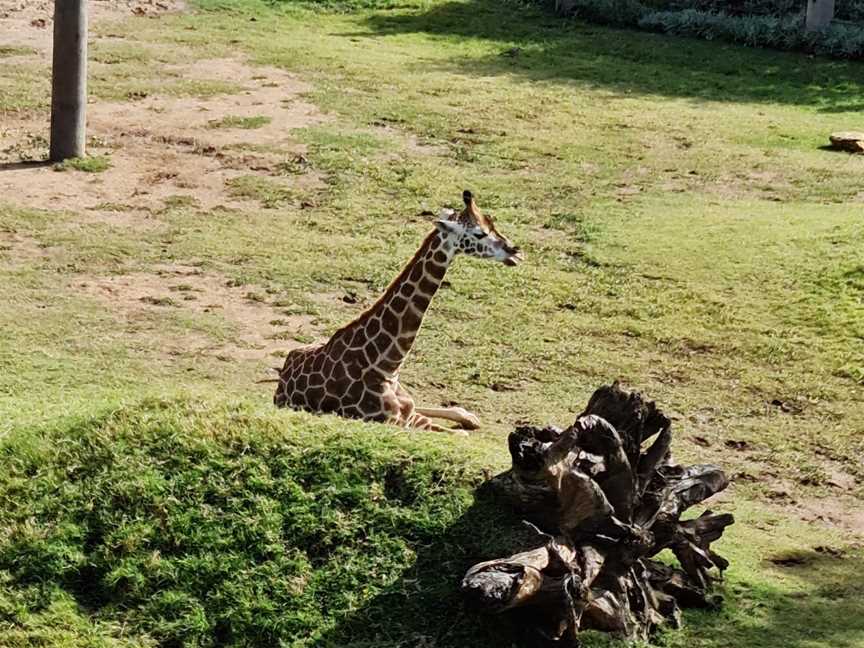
(355, 374)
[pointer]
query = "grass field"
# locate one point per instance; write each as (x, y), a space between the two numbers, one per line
(684, 233)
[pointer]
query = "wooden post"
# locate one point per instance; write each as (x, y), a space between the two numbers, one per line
(820, 13)
(69, 80)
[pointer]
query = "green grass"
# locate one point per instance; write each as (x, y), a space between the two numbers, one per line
(181, 523)
(683, 231)
(233, 121)
(186, 525)
(270, 193)
(88, 164)
(23, 86)
(15, 50)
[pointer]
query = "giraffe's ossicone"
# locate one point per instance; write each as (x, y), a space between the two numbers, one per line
(356, 372)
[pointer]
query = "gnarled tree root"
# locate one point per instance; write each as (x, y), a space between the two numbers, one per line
(608, 498)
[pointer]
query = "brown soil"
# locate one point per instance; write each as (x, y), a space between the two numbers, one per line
(831, 501)
(840, 512)
(163, 147)
(159, 147)
(18, 251)
(29, 23)
(841, 509)
(256, 329)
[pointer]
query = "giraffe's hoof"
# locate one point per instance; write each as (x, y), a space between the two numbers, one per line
(469, 421)
(459, 432)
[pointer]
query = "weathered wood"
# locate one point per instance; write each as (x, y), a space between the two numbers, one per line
(851, 141)
(69, 80)
(606, 506)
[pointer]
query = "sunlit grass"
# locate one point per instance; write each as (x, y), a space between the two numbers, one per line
(683, 231)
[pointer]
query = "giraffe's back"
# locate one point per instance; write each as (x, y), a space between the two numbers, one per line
(294, 377)
(313, 379)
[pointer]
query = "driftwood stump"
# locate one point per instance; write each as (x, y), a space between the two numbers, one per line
(605, 505)
(852, 142)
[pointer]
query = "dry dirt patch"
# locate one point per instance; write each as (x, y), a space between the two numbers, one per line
(19, 251)
(839, 508)
(158, 146)
(258, 330)
(838, 512)
(30, 23)
(161, 147)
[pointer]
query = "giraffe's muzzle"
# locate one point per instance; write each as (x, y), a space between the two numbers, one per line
(515, 257)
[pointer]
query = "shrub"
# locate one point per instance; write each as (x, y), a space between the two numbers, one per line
(845, 9)
(786, 33)
(621, 13)
(780, 30)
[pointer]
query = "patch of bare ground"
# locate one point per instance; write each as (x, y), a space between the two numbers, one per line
(159, 147)
(18, 251)
(826, 497)
(163, 147)
(767, 185)
(256, 329)
(352, 301)
(838, 508)
(29, 23)
(410, 143)
(839, 511)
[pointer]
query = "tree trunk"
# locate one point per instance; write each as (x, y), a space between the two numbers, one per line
(69, 80)
(820, 13)
(608, 505)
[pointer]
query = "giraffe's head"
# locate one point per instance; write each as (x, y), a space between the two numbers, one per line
(473, 233)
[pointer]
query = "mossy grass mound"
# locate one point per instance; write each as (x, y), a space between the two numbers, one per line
(175, 523)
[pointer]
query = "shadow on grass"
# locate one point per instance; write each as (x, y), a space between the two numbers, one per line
(423, 608)
(26, 164)
(539, 46)
(814, 599)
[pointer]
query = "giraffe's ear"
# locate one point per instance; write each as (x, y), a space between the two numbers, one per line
(445, 226)
(447, 214)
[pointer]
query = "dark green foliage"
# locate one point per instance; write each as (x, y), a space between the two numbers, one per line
(767, 27)
(191, 526)
(787, 32)
(621, 13)
(844, 9)
(737, 7)
(340, 6)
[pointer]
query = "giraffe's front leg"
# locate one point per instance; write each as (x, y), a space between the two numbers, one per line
(459, 415)
(399, 404)
(420, 422)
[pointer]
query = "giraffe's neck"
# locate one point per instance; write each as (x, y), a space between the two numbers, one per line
(386, 331)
